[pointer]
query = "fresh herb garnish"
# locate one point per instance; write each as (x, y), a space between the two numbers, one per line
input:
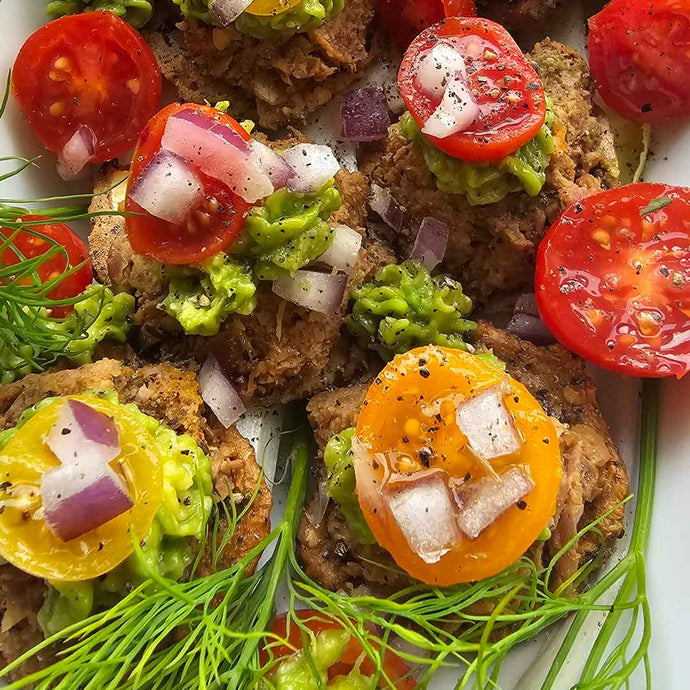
(656, 205)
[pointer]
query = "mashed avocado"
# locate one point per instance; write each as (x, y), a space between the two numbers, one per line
(405, 307)
(167, 549)
(136, 12)
(201, 297)
(487, 183)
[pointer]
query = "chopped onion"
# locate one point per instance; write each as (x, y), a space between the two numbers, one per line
(81, 433)
(530, 328)
(322, 292)
(80, 497)
(526, 304)
(167, 188)
(486, 422)
(219, 394)
(482, 502)
(218, 151)
(278, 171)
(391, 212)
(312, 164)
(437, 67)
(456, 112)
(364, 114)
(429, 246)
(342, 254)
(318, 504)
(423, 509)
(226, 11)
(76, 153)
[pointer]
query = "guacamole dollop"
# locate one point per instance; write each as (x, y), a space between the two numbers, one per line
(136, 12)
(487, 183)
(405, 307)
(167, 548)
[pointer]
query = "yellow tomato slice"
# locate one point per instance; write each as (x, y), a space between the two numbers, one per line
(408, 425)
(269, 8)
(27, 542)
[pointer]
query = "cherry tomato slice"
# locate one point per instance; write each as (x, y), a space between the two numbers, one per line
(613, 281)
(507, 88)
(316, 621)
(639, 55)
(32, 246)
(88, 69)
(221, 210)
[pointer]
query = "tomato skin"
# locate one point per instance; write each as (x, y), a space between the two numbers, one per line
(173, 244)
(503, 125)
(459, 8)
(91, 69)
(639, 55)
(31, 246)
(614, 287)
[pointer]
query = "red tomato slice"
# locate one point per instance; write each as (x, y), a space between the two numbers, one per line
(396, 669)
(460, 8)
(31, 246)
(639, 55)
(613, 282)
(188, 242)
(88, 69)
(509, 92)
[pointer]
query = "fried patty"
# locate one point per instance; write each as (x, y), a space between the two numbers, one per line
(171, 396)
(280, 80)
(518, 15)
(491, 248)
(594, 476)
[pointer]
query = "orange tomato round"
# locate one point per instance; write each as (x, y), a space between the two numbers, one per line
(27, 542)
(270, 8)
(412, 405)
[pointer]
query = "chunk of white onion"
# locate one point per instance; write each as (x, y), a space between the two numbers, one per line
(322, 292)
(424, 510)
(488, 425)
(437, 67)
(76, 153)
(342, 254)
(456, 112)
(271, 163)
(167, 188)
(219, 394)
(226, 11)
(482, 502)
(312, 164)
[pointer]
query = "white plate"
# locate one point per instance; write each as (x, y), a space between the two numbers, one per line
(668, 563)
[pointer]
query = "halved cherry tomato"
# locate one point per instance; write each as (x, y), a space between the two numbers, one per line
(32, 246)
(221, 211)
(507, 88)
(639, 55)
(27, 542)
(395, 668)
(88, 69)
(613, 279)
(408, 425)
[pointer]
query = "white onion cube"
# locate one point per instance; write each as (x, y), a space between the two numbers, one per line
(342, 254)
(437, 67)
(312, 164)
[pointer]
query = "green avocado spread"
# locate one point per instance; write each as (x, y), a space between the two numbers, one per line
(167, 548)
(405, 307)
(487, 183)
(136, 12)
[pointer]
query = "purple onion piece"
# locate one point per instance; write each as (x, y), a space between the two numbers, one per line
(390, 211)
(429, 246)
(526, 304)
(204, 121)
(530, 328)
(364, 114)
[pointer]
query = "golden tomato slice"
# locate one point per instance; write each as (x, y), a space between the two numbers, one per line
(269, 8)
(27, 542)
(408, 426)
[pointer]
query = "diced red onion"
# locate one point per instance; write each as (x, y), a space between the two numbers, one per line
(318, 504)
(456, 112)
(226, 11)
(76, 153)
(530, 328)
(342, 254)
(312, 164)
(391, 212)
(424, 511)
(322, 292)
(80, 497)
(82, 433)
(429, 246)
(488, 425)
(167, 188)
(526, 304)
(217, 151)
(482, 502)
(271, 163)
(364, 114)
(219, 394)
(437, 67)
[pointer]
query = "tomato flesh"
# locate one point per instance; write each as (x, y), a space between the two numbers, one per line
(506, 87)
(88, 69)
(613, 283)
(639, 55)
(209, 227)
(32, 246)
